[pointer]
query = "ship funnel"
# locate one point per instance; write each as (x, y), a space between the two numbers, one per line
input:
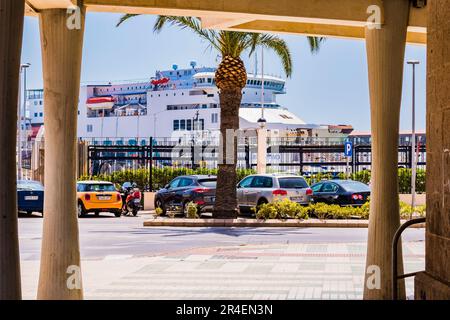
(193, 63)
(174, 66)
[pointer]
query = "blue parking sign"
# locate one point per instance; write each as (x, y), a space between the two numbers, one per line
(348, 148)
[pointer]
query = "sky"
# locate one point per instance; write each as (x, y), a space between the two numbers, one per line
(329, 87)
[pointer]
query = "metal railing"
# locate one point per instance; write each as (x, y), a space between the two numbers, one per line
(394, 249)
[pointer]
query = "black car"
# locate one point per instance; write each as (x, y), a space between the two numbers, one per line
(200, 189)
(342, 192)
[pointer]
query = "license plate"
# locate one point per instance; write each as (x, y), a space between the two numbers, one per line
(297, 199)
(31, 197)
(104, 198)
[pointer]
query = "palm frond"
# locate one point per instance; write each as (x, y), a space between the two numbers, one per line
(124, 18)
(191, 23)
(280, 47)
(315, 43)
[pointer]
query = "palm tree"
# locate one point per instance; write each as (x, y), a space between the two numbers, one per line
(230, 78)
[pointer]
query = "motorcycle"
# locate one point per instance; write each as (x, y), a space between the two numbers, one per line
(131, 199)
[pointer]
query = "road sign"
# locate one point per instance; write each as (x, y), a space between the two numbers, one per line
(348, 148)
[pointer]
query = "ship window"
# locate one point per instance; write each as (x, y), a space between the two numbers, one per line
(40, 114)
(189, 124)
(35, 114)
(89, 128)
(182, 124)
(176, 125)
(209, 80)
(214, 117)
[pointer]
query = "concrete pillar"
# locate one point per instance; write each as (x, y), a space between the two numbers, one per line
(261, 161)
(11, 27)
(385, 58)
(61, 41)
(434, 283)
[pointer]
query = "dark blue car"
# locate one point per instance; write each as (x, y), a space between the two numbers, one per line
(30, 196)
(341, 192)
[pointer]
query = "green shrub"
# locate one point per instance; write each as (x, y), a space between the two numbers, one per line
(282, 209)
(192, 210)
(158, 212)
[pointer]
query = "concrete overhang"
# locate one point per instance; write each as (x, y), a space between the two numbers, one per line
(328, 18)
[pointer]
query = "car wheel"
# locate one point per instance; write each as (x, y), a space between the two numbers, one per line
(261, 202)
(160, 204)
(97, 213)
(118, 213)
(81, 210)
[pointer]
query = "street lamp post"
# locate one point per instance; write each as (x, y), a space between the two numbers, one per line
(22, 114)
(262, 131)
(413, 135)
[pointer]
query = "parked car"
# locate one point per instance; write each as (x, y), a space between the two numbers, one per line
(258, 189)
(342, 192)
(30, 196)
(98, 196)
(200, 189)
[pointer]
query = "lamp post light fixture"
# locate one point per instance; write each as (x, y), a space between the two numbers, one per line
(413, 136)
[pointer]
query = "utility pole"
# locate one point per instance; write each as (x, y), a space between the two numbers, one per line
(413, 136)
(262, 131)
(21, 116)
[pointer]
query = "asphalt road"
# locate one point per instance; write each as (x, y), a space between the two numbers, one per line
(109, 236)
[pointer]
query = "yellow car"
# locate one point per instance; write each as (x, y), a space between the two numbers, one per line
(98, 196)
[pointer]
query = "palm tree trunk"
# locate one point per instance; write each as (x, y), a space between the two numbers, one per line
(226, 200)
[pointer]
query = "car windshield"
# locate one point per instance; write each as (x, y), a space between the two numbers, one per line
(209, 183)
(30, 185)
(354, 186)
(293, 183)
(99, 187)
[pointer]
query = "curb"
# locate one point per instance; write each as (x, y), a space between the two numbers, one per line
(242, 222)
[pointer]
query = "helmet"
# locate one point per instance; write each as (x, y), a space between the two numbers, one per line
(134, 185)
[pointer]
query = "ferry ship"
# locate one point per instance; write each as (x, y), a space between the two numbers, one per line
(179, 103)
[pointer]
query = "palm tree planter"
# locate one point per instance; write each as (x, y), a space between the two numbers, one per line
(230, 78)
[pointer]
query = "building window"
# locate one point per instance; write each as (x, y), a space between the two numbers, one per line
(176, 125)
(89, 128)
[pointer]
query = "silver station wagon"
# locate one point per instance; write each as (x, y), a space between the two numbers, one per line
(257, 189)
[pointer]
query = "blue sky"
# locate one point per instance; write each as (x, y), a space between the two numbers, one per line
(330, 87)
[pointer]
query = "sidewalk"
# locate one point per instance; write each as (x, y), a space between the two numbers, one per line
(269, 271)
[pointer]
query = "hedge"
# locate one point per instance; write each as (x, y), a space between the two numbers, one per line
(161, 176)
(283, 209)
